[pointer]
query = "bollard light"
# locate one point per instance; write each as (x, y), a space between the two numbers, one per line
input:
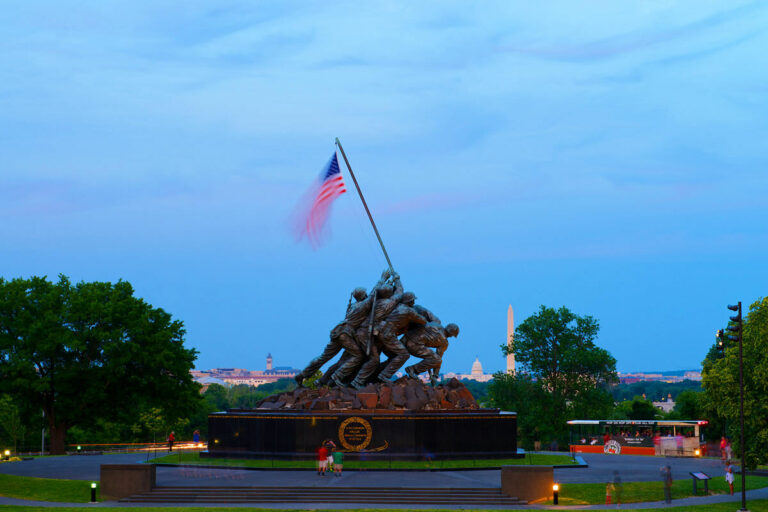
(93, 492)
(555, 492)
(697, 452)
(7, 454)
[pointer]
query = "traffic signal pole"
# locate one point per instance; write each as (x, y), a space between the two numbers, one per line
(739, 330)
(741, 414)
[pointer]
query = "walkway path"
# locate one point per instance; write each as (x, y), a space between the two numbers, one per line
(601, 468)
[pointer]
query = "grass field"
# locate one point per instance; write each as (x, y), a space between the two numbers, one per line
(754, 506)
(531, 458)
(633, 492)
(46, 489)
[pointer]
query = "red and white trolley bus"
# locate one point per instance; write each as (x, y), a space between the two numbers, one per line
(637, 437)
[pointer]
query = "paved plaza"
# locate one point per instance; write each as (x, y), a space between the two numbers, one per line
(600, 469)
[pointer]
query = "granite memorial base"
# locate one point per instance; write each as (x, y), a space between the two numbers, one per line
(367, 434)
(122, 480)
(529, 483)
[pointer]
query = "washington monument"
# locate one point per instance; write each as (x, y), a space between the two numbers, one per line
(510, 336)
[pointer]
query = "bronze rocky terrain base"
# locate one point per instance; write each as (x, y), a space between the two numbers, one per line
(403, 394)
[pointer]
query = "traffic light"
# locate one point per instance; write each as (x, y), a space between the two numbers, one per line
(719, 343)
(735, 325)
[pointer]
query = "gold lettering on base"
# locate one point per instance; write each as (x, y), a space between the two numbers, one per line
(355, 433)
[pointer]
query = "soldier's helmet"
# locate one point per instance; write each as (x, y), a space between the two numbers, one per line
(451, 330)
(385, 292)
(409, 299)
(359, 293)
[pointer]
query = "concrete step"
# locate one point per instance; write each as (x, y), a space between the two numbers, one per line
(367, 495)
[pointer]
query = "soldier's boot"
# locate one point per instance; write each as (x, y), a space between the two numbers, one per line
(409, 371)
(299, 378)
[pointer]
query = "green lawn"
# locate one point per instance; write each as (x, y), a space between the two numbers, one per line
(46, 489)
(532, 458)
(594, 494)
(754, 506)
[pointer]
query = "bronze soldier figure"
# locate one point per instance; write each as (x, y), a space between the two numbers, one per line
(343, 335)
(418, 341)
(387, 300)
(396, 323)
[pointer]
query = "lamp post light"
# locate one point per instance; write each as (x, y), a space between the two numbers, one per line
(7, 454)
(555, 493)
(736, 328)
(93, 492)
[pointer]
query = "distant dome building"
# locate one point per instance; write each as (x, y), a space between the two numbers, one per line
(477, 367)
(475, 374)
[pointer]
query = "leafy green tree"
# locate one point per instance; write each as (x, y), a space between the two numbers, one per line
(11, 421)
(216, 396)
(641, 409)
(720, 379)
(653, 390)
(562, 370)
(537, 417)
(688, 406)
(89, 352)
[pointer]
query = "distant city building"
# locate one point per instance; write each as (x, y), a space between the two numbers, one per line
(665, 405)
(629, 378)
(235, 376)
(475, 374)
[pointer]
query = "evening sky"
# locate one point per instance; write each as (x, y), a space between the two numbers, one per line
(606, 156)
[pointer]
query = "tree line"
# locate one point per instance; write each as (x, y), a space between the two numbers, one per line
(92, 363)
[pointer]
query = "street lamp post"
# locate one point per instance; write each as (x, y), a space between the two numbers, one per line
(736, 327)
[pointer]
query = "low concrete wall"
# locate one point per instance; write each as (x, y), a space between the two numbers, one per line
(529, 483)
(121, 480)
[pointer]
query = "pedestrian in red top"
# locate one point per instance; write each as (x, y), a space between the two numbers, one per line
(322, 460)
(171, 439)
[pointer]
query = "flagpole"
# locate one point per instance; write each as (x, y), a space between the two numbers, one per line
(370, 217)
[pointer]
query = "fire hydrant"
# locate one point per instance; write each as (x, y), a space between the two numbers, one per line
(608, 493)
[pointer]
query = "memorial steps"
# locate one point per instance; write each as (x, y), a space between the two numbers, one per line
(331, 494)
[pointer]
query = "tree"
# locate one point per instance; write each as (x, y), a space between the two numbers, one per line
(563, 371)
(11, 421)
(720, 379)
(556, 347)
(91, 352)
(688, 406)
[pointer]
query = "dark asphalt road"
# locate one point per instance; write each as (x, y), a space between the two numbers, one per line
(601, 468)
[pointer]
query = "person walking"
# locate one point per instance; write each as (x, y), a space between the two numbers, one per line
(171, 439)
(729, 475)
(338, 462)
(666, 477)
(723, 444)
(618, 488)
(196, 437)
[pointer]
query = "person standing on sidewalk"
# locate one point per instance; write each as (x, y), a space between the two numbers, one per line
(322, 459)
(729, 475)
(338, 462)
(171, 439)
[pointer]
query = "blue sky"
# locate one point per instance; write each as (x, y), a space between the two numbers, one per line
(606, 156)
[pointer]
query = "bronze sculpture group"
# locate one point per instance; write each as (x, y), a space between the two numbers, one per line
(385, 321)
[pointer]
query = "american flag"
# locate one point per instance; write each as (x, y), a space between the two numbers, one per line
(315, 207)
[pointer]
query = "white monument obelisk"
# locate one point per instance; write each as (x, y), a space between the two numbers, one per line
(510, 335)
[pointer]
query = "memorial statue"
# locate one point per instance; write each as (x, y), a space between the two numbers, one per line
(343, 335)
(387, 321)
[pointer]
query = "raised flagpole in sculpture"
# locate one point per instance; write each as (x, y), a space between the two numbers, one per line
(387, 321)
(365, 205)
